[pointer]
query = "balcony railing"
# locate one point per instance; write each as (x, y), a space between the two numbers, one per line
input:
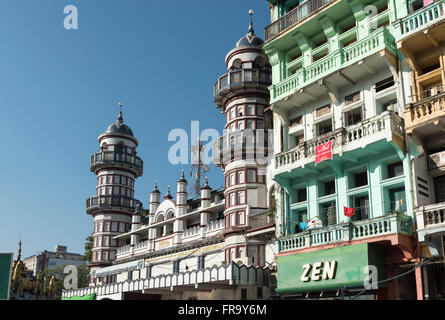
(261, 220)
(293, 17)
(114, 157)
(424, 111)
(239, 143)
(242, 77)
(357, 230)
(121, 202)
(432, 215)
(344, 139)
(419, 20)
(341, 58)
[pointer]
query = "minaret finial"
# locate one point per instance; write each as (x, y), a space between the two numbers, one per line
(251, 22)
(19, 255)
(120, 119)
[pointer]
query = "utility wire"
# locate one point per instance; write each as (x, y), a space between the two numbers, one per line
(386, 280)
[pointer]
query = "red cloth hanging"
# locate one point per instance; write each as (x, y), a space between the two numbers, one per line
(349, 212)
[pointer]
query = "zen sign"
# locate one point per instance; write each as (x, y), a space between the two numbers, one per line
(319, 270)
(323, 152)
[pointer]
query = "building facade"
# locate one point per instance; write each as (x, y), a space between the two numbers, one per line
(420, 34)
(218, 245)
(345, 202)
(47, 260)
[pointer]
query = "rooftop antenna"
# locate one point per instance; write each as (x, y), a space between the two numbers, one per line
(198, 168)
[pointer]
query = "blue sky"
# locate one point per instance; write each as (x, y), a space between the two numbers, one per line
(59, 90)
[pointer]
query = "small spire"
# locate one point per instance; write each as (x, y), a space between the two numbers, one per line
(182, 179)
(155, 189)
(251, 22)
(206, 183)
(19, 255)
(120, 119)
(168, 195)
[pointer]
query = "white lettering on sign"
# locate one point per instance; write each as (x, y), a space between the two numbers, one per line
(304, 276)
(320, 270)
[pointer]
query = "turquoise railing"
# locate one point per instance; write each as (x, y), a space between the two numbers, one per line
(350, 231)
(419, 20)
(371, 44)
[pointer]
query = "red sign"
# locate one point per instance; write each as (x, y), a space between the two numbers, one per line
(349, 212)
(323, 152)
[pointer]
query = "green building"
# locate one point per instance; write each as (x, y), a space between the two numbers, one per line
(344, 177)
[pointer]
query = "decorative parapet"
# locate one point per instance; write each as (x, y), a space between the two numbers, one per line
(431, 216)
(231, 274)
(357, 230)
(101, 202)
(424, 111)
(386, 125)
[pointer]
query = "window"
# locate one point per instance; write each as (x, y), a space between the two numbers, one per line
(302, 195)
(232, 199)
(241, 177)
(232, 179)
(99, 241)
(328, 213)
(259, 292)
(243, 294)
(361, 205)
(323, 127)
(241, 125)
(240, 111)
(323, 110)
(361, 179)
(250, 109)
(117, 179)
(329, 187)
(439, 186)
(130, 275)
(250, 176)
(175, 266)
(232, 113)
(354, 97)
(148, 272)
(116, 190)
(201, 262)
(105, 244)
(104, 255)
(240, 218)
(384, 84)
(395, 169)
(107, 226)
(260, 110)
(251, 124)
(109, 190)
(124, 180)
(260, 124)
(241, 197)
(397, 199)
(353, 116)
(109, 179)
(296, 121)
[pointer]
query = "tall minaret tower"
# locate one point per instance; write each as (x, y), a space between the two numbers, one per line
(242, 95)
(116, 167)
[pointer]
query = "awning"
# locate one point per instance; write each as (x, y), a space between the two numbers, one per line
(84, 297)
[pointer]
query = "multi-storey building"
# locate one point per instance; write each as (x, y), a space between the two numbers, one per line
(47, 260)
(420, 34)
(345, 196)
(215, 246)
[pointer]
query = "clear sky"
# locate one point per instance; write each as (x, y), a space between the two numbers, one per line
(59, 91)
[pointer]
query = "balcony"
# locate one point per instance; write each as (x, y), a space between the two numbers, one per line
(351, 231)
(419, 20)
(424, 112)
(293, 17)
(261, 220)
(436, 160)
(387, 126)
(121, 203)
(241, 144)
(124, 160)
(241, 79)
(375, 42)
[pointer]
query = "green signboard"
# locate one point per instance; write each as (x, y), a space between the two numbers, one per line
(84, 297)
(6, 260)
(330, 269)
